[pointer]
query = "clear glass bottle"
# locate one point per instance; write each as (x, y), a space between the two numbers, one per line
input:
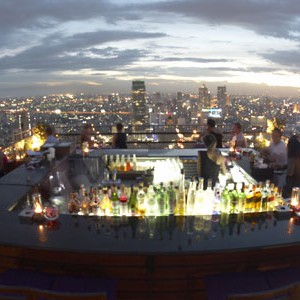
(209, 199)
(198, 205)
(105, 203)
(190, 198)
(151, 202)
(141, 200)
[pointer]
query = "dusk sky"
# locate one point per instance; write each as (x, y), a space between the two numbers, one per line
(50, 46)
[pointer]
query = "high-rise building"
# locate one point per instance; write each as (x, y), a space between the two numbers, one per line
(140, 111)
(221, 95)
(24, 121)
(204, 97)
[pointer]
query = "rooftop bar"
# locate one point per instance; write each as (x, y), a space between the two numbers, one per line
(150, 255)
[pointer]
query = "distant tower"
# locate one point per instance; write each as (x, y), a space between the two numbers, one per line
(221, 95)
(140, 112)
(24, 121)
(204, 97)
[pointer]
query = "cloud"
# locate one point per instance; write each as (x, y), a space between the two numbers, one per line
(274, 18)
(287, 58)
(196, 59)
(73, 53)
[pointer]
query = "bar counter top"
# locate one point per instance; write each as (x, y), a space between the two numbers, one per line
(151, 257)
(144, 236)
(171, 234)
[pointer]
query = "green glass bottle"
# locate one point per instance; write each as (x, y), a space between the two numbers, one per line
(115, 202)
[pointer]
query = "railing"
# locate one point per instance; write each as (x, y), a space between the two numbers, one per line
(168, 136)
(150, 137)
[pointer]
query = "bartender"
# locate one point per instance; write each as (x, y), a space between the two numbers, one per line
(211, 162)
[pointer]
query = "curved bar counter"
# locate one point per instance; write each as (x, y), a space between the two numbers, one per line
(163, 257)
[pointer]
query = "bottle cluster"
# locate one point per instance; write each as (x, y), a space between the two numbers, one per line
(120, 162)
(171, 199)
(121, 200)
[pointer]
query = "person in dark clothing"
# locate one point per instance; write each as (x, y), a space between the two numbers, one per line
(293, 166)
(210, 162)
(120, 138)
(211, 129)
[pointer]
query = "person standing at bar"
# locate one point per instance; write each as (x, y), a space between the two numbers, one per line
(119, 139)
(50, 138)
(86, 134)
(210, 162)
(276, 156)
(238, 139)
(3, 162)
(293, 166)
(211, 129)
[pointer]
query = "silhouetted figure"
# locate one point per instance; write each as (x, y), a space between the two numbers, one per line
(119, 138)
(211, 129)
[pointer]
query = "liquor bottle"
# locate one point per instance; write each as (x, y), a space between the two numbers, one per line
(233, 198)
(225, 201)
(257, 197)
(91, 193)
(208, 199)
(172, 199)
(106, 175)
(264, 199)
(141, 200)
(198, 204)
(111, 163)
(278, 196)
(217, 200)
(105, 203)
(249, 199)
(85, 204)
(118, 163)
(161, 200)
(134, 163)
(73, 204)
(123, 201)
(128, 164)
(132, 202)
(115, 202)
(190, 198)
(241, 197)
(95, 203)
(271, 201)
(181, 199)
(123, 163)
(151, 202)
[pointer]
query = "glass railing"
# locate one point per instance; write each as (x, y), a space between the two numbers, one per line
(138, 137)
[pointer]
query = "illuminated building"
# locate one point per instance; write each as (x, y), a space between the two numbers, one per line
(140, 112)
(221, 95)
(204, 97)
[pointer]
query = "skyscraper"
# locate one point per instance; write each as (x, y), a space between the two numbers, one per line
(140, 111)
(204, 97)
(221, 94)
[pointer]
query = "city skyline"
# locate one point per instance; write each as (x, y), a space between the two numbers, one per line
(101, 46)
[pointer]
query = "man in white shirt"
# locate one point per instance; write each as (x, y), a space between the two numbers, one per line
(276, 154)
(238, 139)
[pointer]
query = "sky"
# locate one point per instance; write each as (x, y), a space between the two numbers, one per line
(57, 46)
